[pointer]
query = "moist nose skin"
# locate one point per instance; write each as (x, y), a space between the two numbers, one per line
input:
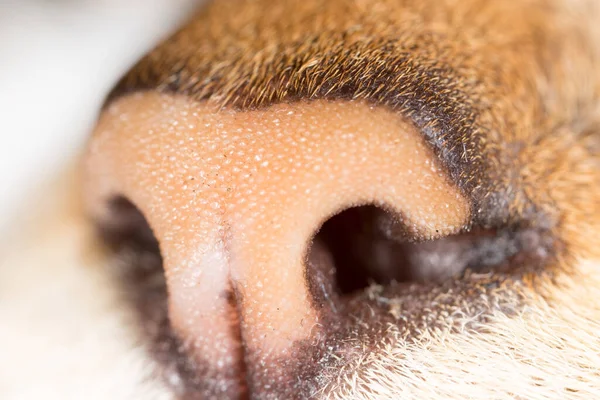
(235, 199)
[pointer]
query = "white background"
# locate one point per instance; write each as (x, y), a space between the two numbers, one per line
(58, 59)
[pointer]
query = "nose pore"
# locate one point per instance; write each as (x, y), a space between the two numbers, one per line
(234, 199)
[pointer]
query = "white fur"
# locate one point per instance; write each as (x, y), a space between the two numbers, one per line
(64, 333)
(548, 351)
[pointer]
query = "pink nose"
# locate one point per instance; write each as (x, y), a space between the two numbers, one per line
(236, 198)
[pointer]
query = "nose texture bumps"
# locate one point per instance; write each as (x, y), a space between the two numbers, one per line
(235, 198)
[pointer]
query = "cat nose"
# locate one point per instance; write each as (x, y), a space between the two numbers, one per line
(235, 199)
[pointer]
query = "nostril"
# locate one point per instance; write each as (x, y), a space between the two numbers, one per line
(369, 245)
(138, 268)
(356, 243)
(125, 224)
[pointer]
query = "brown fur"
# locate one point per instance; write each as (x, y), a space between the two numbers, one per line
(506, 93)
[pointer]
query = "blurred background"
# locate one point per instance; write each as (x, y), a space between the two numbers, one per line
(58, 59)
